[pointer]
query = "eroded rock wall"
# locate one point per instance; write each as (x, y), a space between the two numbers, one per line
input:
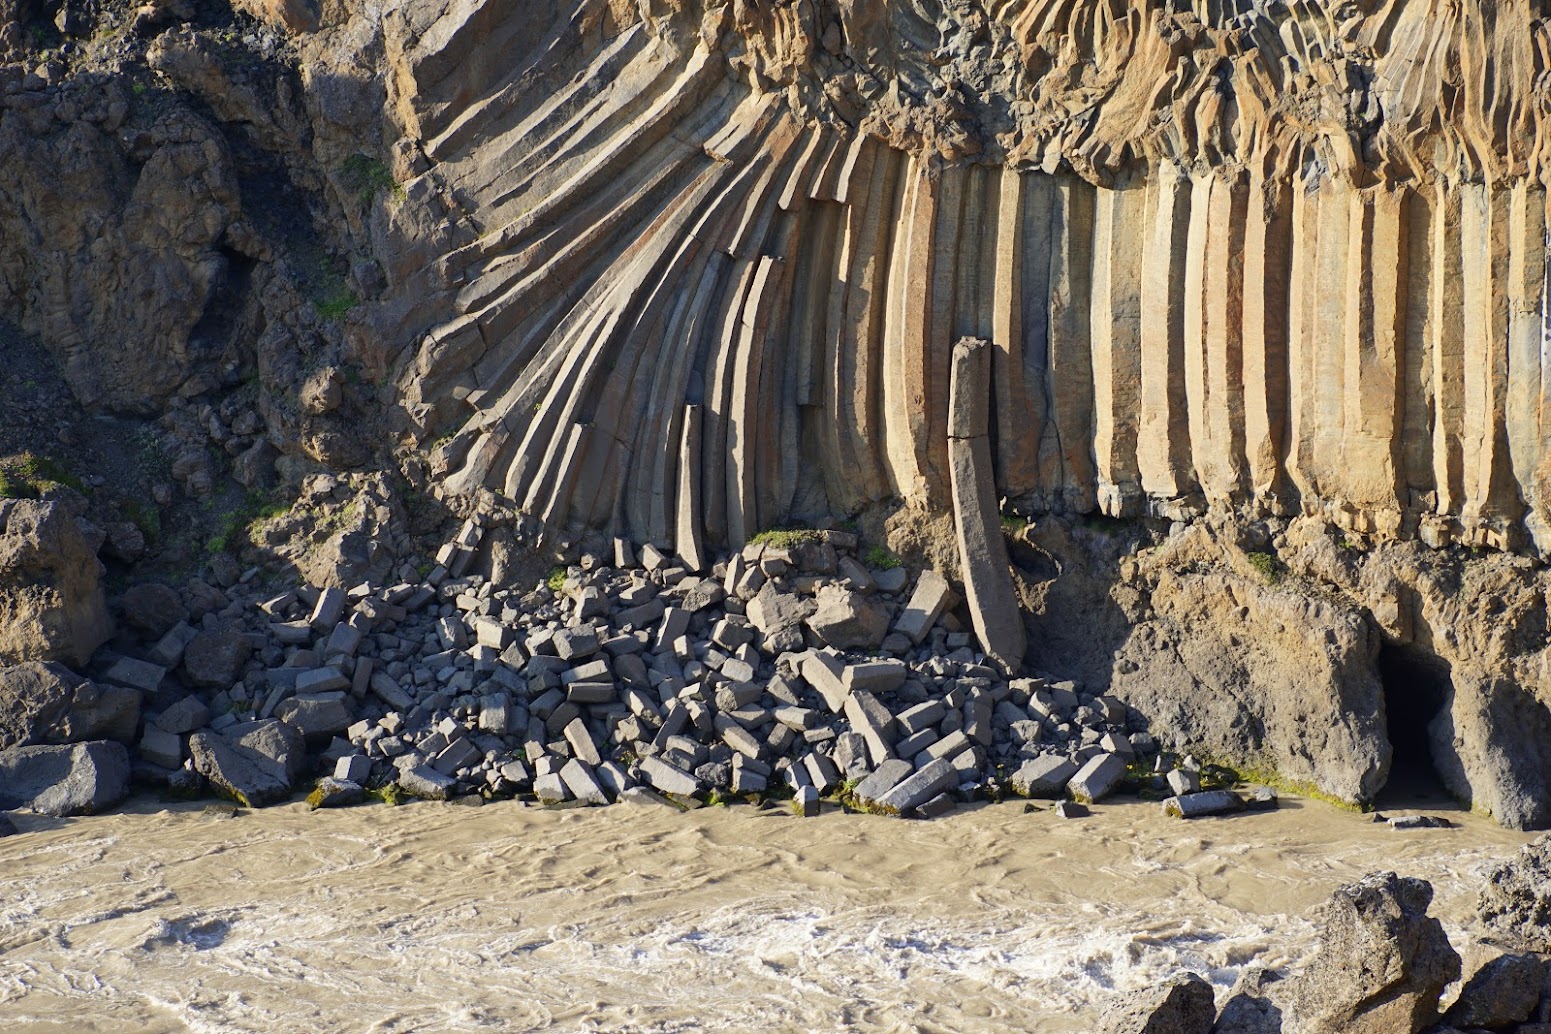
(1252, 258)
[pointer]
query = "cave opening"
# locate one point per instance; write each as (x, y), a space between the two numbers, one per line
(1416, 688)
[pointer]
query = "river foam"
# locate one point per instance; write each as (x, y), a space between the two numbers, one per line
(435, 917)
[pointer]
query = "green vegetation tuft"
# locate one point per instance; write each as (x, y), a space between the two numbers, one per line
(1013, 524)
(234, 526)
(880, 559)
(390, 794)
(336, 302)
(366, 177)
(1218, 773)
(555, 579)
(1269, 567)
(28, 475)
(785, 538)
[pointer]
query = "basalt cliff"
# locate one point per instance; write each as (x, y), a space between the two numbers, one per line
(1201, 344)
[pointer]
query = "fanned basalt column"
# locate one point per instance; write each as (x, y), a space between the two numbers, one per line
(993, 603)
(1253, 258)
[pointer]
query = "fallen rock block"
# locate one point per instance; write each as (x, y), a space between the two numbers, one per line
(848, 620)
(669, 779)
(806, 803)
(926, 605)
(427, 783)
(335, 793)
(1200, 805)
(78, 779)
(245, 775)
(1044, 776)
(918, 788)
(1097, 779)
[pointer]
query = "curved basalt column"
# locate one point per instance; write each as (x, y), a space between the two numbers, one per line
(1246, 257)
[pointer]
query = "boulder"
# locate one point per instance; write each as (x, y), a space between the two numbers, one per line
(214, 658)
(1183, 1005)
(78, 779)
(242, 773)
(317, 718)
(278, 741)
(849, 620)
(51, 603)
(335, 793)
(45, 702)
(1250, 1008)
(1382, 964)
(184, 716)
(152, 609)
(1501, 993)
(1515, 903)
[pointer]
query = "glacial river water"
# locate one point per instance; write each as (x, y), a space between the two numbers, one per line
(436, 917)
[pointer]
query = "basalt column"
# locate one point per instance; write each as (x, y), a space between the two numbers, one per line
(993, 604)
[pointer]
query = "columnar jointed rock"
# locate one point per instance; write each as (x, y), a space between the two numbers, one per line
(993, 603)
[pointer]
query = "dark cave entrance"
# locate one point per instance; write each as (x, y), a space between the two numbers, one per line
(1416, 687)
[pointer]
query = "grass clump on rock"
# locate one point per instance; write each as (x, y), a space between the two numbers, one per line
(784, 538)
(28, 475)
(880, 559)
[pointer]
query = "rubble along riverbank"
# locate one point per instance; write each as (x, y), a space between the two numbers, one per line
(793, 668)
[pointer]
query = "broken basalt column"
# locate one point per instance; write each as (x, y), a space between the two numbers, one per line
(993, 604)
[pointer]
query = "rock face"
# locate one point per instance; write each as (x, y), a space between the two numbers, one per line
(1382, 963)
(1305, 275)
(64, 780)
(51, 601)
(1515, 906)
(49, 703)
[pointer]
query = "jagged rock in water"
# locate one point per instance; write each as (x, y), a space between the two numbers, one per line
(1382, 963)
(1515, 905)
(1184, 1005)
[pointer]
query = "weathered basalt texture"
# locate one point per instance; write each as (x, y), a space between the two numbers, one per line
(1279, 260)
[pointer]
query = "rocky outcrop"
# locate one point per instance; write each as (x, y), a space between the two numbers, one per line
(1382, 964)
(51, 601)
(1515, 906)
(1274, 259)
(48, 703)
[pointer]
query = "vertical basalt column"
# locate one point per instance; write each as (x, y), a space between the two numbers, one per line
(1163, 444)
(1267, 258)
(993, 603)
(1446, 344)
(1372, 351)
(1117, 347)
(1490, 494)
(1526, 339)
